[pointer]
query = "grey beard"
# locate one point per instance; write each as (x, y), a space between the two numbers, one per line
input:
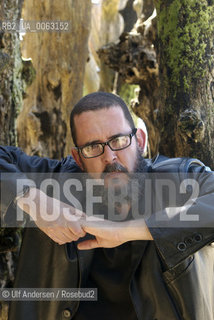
(129, 195)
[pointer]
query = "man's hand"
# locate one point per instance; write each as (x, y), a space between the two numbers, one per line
(60, 221)
(109, 234)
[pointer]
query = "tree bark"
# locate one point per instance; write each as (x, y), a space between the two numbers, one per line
(11, 89)
(10, 69)
(171, 58)
(107, 25)
(185, 55)
(59, 59)
(134, 58)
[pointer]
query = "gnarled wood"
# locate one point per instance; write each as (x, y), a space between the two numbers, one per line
(134, 58)
(185, 54)
(59, 60)
(11, 89)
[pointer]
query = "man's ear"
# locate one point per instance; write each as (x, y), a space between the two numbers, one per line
(141, 139)
(76, 157)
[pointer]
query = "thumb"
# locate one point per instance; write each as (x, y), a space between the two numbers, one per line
(88, 244)
(93, 228)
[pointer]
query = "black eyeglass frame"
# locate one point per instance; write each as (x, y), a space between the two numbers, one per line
(134, 130)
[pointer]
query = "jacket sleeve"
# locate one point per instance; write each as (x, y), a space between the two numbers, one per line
(176, 240)
(15, 164)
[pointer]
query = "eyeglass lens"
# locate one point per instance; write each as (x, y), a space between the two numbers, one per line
(96, 149)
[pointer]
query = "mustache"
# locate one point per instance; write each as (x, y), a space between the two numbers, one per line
(114, 167)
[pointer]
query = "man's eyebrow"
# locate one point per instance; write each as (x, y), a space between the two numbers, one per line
(99, 141)
(116, 135)
(91, 142)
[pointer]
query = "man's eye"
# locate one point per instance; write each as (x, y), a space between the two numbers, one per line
(116, 141)
(92, 147)
(119, 142)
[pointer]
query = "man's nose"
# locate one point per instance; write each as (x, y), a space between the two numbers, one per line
(109, 155)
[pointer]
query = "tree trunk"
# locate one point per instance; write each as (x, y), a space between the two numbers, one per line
(10, 69)
(59, 59)
(174, 70)
(185, 54)
(134, 58)
(10, 102)
(107, 25)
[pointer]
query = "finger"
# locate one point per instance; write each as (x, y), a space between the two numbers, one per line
(77, 229)
(57, 240)
(59, 235)
(69, 235)
(108, 232)
(73, 214)
(88, 244)
(60, 242)
(80, 213)
(95, 230)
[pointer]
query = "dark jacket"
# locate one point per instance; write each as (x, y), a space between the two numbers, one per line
(172, 278)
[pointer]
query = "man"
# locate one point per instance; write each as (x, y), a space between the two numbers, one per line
(143, 270)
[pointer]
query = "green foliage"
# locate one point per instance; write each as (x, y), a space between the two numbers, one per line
(129, 92)
(185, 29)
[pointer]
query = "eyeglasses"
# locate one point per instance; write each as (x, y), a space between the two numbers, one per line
(116, 143)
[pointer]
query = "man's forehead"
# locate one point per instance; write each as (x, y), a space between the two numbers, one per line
(106, 121)
(107, 110)
(112, 114)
